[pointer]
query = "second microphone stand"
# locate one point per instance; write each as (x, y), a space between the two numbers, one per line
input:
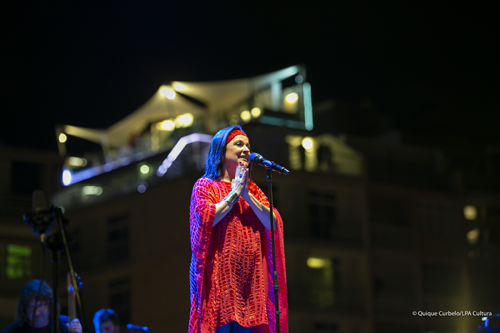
(59, 242)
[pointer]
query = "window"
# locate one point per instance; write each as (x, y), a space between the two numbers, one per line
(389, 210)
(325, 158)
(437, 219)
(118, 241)
(322, 214)
(324, 280)
(120, 299)
(18, 261)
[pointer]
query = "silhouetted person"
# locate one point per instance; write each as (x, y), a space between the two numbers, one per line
(42, 306)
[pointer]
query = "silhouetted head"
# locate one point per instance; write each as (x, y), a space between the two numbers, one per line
(35, 297)
(106, 321)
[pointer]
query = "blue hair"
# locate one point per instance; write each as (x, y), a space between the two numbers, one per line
(215, 158)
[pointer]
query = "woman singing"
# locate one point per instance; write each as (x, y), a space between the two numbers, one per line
(231, 265)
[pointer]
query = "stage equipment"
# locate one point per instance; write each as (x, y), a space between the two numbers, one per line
(41, 220)
(487, 328)
(131, 327)
(270, 165)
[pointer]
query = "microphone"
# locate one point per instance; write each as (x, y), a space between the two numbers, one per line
(131, 327)
(40, 218)
(260, 160)
(38, 201)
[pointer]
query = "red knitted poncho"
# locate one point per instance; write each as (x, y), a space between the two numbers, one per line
(231, 264)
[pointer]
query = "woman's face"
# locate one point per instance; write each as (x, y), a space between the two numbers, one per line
(237, 150)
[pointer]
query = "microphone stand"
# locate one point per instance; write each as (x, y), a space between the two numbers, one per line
(58, 242)
(275, 273)
(54, 244)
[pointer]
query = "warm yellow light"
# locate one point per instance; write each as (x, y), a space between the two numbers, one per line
(470, 212)
(307, 143)
(179, 87)
(144, 169)
(167, 125)
(245, 115)
(62, 138)
(291, 98)
(317, 262)
(255, 112)
(294, 141)
(164, 91)
(77, 161)
(167, 92)
(185, 120)
(473, 236)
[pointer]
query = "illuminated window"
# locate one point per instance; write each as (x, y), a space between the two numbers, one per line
(470, 212)
(92, 190)
(18, 261)
(313, 262)
(324, 280)
(473, 236)
(76, 161)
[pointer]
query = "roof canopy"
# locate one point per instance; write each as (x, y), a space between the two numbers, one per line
(217, 95)
(220, 95)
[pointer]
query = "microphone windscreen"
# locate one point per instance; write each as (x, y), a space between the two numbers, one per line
(254, 157)
(38, 201)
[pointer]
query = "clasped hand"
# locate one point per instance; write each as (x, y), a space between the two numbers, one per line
(240, 181)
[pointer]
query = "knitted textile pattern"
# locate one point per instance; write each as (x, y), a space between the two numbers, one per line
(231, 263)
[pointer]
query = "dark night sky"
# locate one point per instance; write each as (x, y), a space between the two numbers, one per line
(431, 66)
